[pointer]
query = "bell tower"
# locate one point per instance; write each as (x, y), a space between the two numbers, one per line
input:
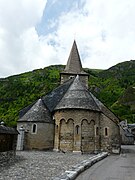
(74, 67)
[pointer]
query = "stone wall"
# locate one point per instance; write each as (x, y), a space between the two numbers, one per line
(89, 132)
(80, 134)
(67, 76)
(110, 135)
(42, 138)
(88, 136)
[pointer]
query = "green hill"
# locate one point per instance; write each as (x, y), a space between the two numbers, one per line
(18, 91)
(114, 87)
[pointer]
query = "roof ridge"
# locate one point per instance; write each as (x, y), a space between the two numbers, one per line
(102, 104)
(29, 107)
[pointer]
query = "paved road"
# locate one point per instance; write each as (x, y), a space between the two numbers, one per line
(114, 167)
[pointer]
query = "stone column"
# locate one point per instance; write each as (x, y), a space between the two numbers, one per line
(20, 139)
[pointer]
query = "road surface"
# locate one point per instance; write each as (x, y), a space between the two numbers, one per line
(114, 167)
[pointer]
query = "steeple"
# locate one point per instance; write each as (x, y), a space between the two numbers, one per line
(74, 67)
(74, 64)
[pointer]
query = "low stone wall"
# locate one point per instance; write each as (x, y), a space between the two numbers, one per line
(6, 157)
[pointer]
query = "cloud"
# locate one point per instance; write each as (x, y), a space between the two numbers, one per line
(18, 20)
(104, 31)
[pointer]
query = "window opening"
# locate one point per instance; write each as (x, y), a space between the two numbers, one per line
(34, 128)
(97, 131)
(106, 131)
(77, 129)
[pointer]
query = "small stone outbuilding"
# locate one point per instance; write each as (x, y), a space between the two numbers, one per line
(71, 118)
(8, 139)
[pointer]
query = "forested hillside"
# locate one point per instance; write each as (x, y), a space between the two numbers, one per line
(19, 91)
(115, 87)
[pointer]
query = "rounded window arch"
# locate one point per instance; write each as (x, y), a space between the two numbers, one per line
(62, 120)
(84, 121)
(92, 121)
(34, 128)
(70, 120)
(106, 131)
(77, 128)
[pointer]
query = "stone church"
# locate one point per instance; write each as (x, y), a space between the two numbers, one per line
(70, 118)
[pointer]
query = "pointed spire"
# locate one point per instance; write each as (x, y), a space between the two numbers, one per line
(74, 67)
(74, 62)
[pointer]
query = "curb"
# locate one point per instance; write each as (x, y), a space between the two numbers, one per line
(72, 173)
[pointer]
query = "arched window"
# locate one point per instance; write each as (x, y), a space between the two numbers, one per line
(77, 129)
(97, 131)
(34, 128)
(106, 131)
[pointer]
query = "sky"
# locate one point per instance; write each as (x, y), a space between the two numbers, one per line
(37, 33)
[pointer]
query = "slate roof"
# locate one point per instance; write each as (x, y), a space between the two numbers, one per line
(127, 132)
(74, 65)
(77, 97)
(36, 112)
(131, 126)
(24, 110)
(52, 99)
(7, 130)
(70, 95)
(106, 111)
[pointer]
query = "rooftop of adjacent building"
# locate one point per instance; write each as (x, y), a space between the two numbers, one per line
(7, 130)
